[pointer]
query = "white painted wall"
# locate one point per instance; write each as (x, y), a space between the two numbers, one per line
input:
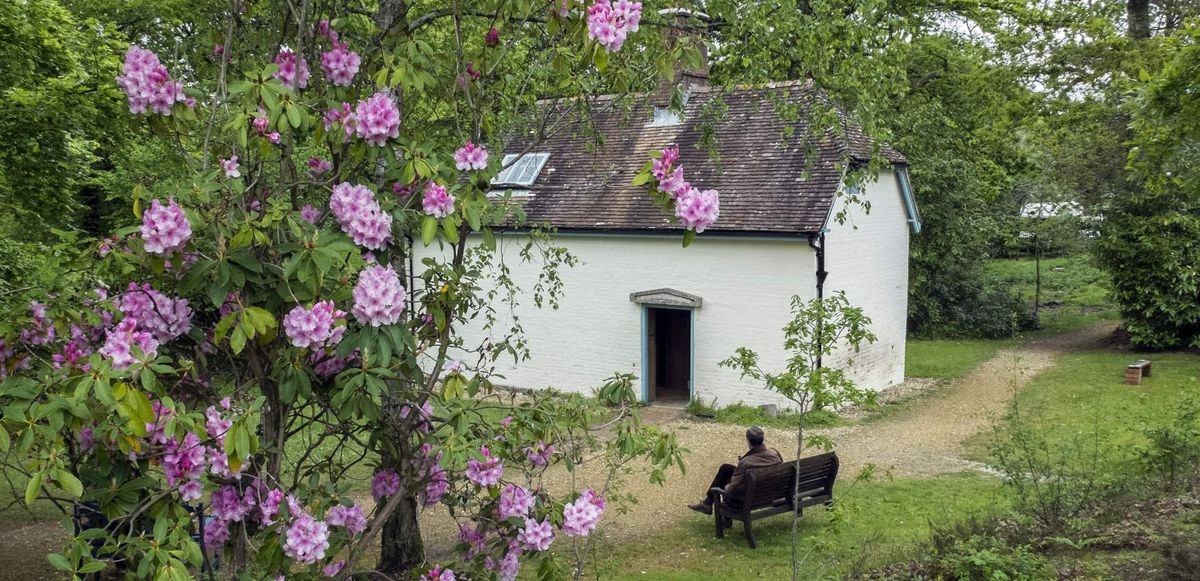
(867, 257)
(746, 285)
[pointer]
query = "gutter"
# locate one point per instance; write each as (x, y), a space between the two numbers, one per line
(817, 243)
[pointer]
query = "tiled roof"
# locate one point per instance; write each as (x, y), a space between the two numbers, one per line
(761, 171)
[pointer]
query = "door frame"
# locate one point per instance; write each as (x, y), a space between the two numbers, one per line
(645, 314)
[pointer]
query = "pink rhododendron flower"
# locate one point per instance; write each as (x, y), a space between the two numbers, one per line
(350, 517)
(86, 435)
(515, 501)
(216, 533)
(184, 462)
(438, 202)
(492, 38)
(486, 472)
(158, 314)
(323, 28)
(610, 23)
(471, 537)
(332, 569)
(581, 516)
(453, 366)
(437, 486)
(674, 184)
(385, 483)
(289, 74)
(439, 574)
(536, 536)
(340, 64)
(218, 463)
(156, 431)
(661, 167)
(120, 341)
(539, 454)
(510, 565)
(41, 328)
(269, 507)
(310, 213)
(146, 83)
(261, 122)
(273, 137)
(379, 298)
(360, 216)
(306, 540)
(230, 167)
(471, 156)
(227, 504)
(318, 166)
(697, 209)
(377, 119)
(216, 425)
(425, 413)
(314, 327)
(165, 228)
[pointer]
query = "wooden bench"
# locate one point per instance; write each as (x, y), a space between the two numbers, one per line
(769, 489)
(1135, 371)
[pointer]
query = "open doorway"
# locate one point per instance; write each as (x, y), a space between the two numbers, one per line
(669, 355)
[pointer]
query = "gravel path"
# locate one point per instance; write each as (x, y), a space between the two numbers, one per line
(923, 439)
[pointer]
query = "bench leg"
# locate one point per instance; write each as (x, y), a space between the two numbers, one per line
(720, 522)
(749, 531)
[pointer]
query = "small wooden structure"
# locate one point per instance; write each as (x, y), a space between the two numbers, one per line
(769, 489)
(1135, 371)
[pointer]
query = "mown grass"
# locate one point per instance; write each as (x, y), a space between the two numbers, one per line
(948, 359)
(878, 522)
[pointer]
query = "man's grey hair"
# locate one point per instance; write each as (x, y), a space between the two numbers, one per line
(755, 436)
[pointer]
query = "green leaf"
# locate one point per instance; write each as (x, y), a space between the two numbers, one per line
(93, 567)
(4, 440)
(600, 58)
(237, 341)
(429, 226)
(33, 488)
(59, 562)
(641, 179)
(450, 229)
(69, 483)
(688, 237)
(294, 115)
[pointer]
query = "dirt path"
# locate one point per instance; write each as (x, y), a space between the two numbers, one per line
(924, 439)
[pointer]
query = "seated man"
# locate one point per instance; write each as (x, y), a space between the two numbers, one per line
(731, 477)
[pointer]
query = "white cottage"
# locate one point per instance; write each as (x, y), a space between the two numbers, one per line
(639, 302)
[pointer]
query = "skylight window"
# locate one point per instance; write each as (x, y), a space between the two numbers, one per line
(524, 171)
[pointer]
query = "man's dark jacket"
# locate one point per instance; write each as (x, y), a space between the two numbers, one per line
(759, 456)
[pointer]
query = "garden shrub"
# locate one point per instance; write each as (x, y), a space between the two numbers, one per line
(983, 557)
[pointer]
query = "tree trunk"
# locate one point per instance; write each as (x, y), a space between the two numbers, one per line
(402, 548)
(795, 509)
(1137, 13)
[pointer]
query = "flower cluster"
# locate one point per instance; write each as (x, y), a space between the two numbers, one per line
(310, 213)
(183, 465)
(121, 340)
(385, 483)
(438, 202)
(609, 23)
(230, 167)
(360, 215)
(379, 298)
(340, 64)
(156, 313)
(536, 536)
(486, 472)
(696, 209)
(306, 540)
(439, 574)
(515, 501)
(289, 74)
(315, 327)
(318, 166)
(165, 228)
(349, 517)
(262, 123)
(147, 83)
(539, 454)
(471, 156)
(230, 505)
(377, 119)
(343, 115)
(41, 329)
(581, 516)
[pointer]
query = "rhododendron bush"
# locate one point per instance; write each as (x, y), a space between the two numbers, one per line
(254, 372)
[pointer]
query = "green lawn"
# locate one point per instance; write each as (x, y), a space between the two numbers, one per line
(946, 358)
(1085, 395)
(881, 522)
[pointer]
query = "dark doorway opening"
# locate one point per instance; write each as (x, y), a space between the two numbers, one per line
(669, 341)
